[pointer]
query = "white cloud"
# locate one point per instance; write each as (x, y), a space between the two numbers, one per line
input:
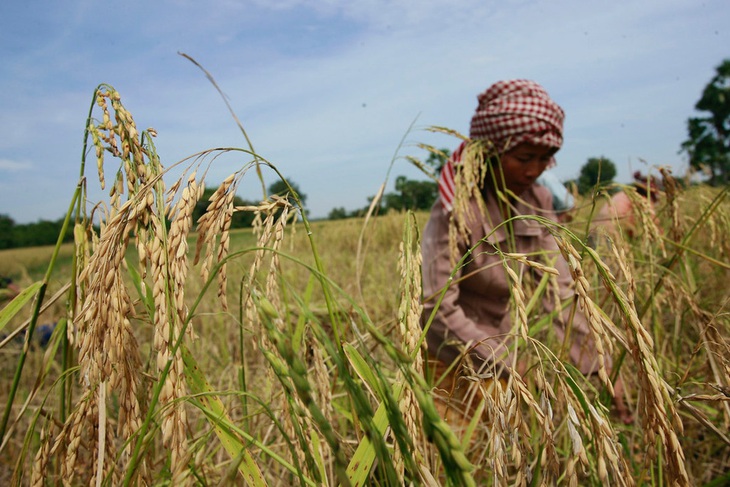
(15, 166)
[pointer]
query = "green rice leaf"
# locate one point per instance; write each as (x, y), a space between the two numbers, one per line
(14, 306)
(233, 444)
(362, 461)
(363, 369)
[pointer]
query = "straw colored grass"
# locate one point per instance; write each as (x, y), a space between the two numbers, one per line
(270, 356)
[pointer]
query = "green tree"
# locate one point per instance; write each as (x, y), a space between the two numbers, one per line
(42, 232)
(708, 145)
(6, 232)
(338, 213)
(597, 171)
(411, 194)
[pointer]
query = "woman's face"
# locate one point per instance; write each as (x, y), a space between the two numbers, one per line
(522, 165)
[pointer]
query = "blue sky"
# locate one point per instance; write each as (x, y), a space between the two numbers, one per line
(326, 89)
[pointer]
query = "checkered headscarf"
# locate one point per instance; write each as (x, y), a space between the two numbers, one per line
(509, 113)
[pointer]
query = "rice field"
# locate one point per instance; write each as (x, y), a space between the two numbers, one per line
(187, 353)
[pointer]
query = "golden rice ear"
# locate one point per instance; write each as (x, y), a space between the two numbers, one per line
(469, 177)
(409, 324)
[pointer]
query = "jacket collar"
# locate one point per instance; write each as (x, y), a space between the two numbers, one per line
(497, 233)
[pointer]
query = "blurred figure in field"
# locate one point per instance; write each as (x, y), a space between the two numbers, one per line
(618, 215)
(42, 335)
(8, 289)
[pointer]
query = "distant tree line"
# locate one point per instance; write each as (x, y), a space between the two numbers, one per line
(43, 232)
(417, 195)
(409, 194)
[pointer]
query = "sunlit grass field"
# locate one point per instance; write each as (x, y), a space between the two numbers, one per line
(292, 353)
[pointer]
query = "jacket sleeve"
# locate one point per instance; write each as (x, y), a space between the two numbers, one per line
(451, 323)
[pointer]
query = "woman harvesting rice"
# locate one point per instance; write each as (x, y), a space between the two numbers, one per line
(490, 179)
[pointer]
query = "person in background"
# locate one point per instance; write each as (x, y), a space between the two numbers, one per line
(8, 289)
(490, 178)
(618, 214)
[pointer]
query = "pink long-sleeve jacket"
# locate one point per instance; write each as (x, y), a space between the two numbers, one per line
(475, 310)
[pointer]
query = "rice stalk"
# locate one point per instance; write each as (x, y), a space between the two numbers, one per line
(216, 222)
(659, 415)
(468, 178)
(601, 339)
(409, 318)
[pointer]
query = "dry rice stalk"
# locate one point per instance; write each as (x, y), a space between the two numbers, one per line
(270, 232)
(420, 165)
(263, 227)
(135, 167)
(601, 339)
(518, 298)
(43, 456)
(619, 252)
(519, 430)
(497, 406)
(717, 348)
(659, 412)
(168, 327)
(717, 224)
(608, 459)
(84, 240)
(503, 448)
(544, 415)
(146, 213)
(578, 453)
(295, 419)
(468, 180)
(275, 245)
(539, 266)
(181, 215)
(108, 354)
(657, 404)
(131, 153)
(608, 452)
(296, 422)
(107, 299)
(79, 430)
(169, 271)
(216, 221)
